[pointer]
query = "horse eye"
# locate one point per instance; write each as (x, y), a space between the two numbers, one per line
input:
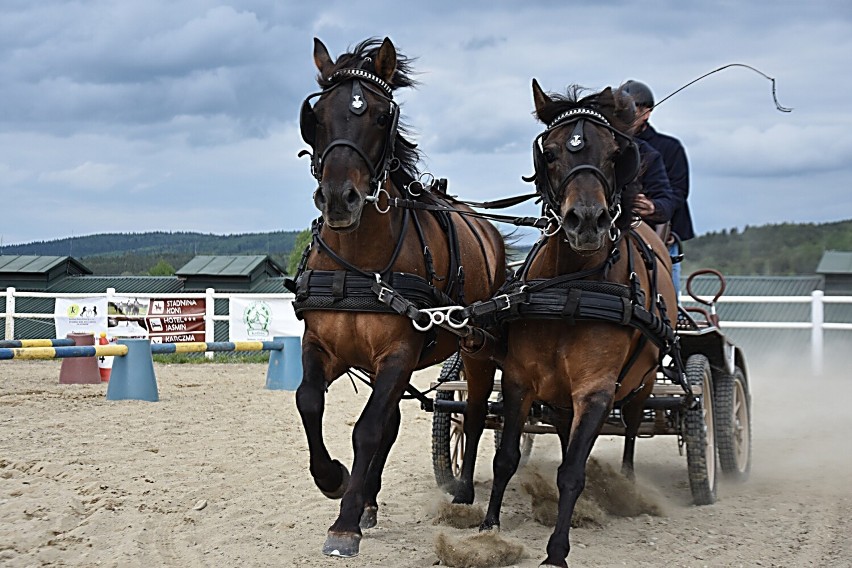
(382, 120)
(549, 156)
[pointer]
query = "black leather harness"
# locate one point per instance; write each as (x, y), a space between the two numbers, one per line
(384, 291)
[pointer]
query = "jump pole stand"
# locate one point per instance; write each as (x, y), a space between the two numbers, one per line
(80, 370)
(285, 365)
(132, 376)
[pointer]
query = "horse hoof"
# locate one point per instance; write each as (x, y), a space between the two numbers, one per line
(344, 483)
(489, 527)
(552, 565)
(344, 545)
(369, 518)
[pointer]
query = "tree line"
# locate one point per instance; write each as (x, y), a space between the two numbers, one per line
(774, 250)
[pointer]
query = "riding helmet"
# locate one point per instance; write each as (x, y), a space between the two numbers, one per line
(640, 92)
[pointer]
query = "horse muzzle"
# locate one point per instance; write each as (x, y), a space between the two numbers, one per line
(586, 227)
(341, 206)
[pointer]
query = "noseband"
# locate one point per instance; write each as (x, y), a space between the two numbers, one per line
(360, 80)
(626, 163)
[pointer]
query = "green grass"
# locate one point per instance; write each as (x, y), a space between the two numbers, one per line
(200, 359)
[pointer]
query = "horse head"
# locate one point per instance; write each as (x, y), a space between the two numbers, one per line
(353, 127)
(583, 160)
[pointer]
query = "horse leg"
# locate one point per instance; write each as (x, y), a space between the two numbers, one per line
(330, 476)
(632, 414)
(590, 412)
(480, 383)
(344, 535)
(516, 408)
(373, 483)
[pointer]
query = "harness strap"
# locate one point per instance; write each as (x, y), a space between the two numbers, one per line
(403, 203)
(318, 290)
(347, 265)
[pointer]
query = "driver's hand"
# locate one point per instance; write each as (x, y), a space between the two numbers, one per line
(643, 206)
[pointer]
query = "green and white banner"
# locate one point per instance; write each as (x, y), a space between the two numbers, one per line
(262, 319)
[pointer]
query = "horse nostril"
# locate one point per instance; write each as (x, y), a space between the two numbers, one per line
(603, 220)
(352, 197)
(572, 220)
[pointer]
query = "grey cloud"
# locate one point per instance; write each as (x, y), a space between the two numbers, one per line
(199, 99)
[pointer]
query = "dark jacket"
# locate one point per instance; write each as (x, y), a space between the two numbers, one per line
(655, 183)
(677, 169)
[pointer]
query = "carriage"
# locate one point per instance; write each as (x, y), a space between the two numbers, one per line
(715, 434)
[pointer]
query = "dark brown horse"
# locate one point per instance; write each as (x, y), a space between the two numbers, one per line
(369, 263)
(577, 366)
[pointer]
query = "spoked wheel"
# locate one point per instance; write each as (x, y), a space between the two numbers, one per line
(699, 434)
(527, 440)
(448, 441)
(733, 425)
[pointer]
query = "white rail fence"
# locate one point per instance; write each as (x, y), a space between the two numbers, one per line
(817, 324)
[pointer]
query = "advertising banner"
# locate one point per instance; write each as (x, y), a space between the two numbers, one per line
(262, 319)
(80, 315)
(163, 320)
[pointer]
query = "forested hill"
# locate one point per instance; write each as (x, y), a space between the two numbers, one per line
(784, 249)
(137, 253)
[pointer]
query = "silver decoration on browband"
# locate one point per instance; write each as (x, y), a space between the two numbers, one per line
(361, 74)
(577, 112)
(357, 102)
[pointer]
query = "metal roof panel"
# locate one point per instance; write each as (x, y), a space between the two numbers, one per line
(835, 262)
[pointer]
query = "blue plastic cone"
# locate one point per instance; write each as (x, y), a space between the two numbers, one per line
(285, 366)
(132, 376)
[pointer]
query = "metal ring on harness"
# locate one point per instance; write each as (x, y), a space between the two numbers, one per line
(374, 199)
(415, 188)
(439, 317)
(552, 217)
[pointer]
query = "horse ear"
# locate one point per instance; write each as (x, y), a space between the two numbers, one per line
(625, 111)
(386, 61)
(606, 99)
(540, 98)
(322, 59)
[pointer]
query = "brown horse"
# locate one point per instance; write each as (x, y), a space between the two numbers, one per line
(368, 264)
(591, 262)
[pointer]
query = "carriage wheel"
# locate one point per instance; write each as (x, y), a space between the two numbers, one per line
(733, 425)
(448, 441)
(527, 440)
(699, 434)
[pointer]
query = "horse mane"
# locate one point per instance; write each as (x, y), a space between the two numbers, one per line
(406, 152)
(619, 110)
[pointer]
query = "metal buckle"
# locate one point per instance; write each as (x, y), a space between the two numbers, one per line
(508, 301)
(382, 293)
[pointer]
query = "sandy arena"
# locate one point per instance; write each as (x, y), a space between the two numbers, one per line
(216, 474)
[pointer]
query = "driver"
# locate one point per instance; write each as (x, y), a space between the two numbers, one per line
(677, 169)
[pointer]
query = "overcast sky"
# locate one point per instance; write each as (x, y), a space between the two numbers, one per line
(143, 115)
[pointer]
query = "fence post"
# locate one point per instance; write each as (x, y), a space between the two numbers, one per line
(209, 322)
(817, 319)
(10, 313)
(110, 297)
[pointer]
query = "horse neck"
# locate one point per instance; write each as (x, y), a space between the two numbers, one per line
(558, 258)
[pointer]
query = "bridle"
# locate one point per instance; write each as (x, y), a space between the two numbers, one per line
(360, 80)
(626, 165)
